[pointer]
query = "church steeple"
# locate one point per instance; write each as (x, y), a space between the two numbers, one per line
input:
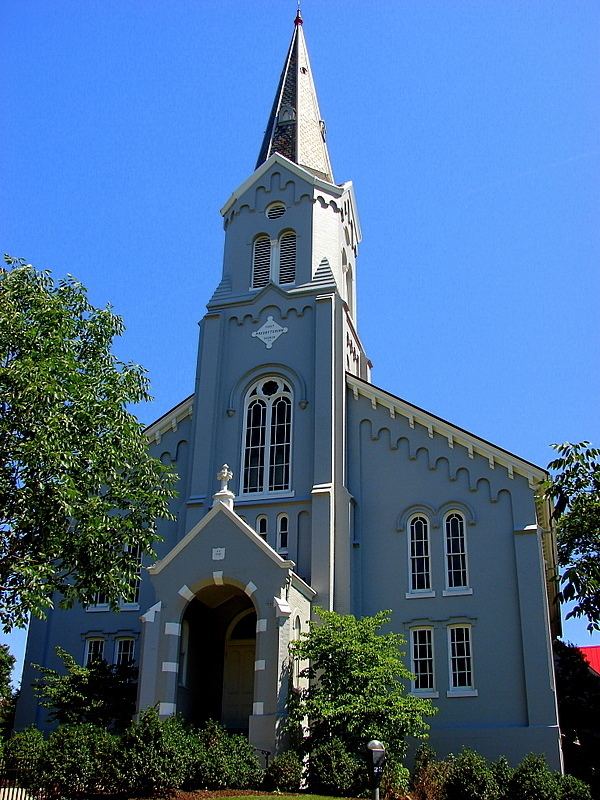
(295, 128)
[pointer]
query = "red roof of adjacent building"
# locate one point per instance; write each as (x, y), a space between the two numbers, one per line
(592, 656)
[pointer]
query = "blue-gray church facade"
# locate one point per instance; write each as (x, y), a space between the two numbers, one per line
(303, 484)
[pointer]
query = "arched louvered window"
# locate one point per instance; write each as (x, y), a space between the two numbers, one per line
(267, 437)
(456, 552)
(420, 559)
(287, 257)
(261, 262)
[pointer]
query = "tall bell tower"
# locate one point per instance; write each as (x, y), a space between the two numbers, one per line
(278, 337)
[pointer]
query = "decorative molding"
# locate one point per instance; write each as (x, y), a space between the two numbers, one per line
(218, 553)
(167, 709)
(186, 593)
(250, 588)
(218, 578)
(435, 425)
(169, 666)
(261, 625)
(258, 709)
(169, 421)
(150, 615)
(259, 665)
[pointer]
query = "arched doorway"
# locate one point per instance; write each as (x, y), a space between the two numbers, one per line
(216, 661)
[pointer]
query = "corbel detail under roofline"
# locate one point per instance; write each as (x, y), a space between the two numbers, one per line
(455, 436)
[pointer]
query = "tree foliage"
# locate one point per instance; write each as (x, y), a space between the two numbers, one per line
(101, 693)
(79, 492)
(575, 490)
(7, 695)
(356, 688)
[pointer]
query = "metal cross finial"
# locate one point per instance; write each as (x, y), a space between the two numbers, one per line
(225, 475)
(298, 20)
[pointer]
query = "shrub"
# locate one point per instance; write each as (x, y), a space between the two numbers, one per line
(431, 781)
(533, 780)
(571, 788)
(23, 755)
(333, 770)
(395, 780)
(79, 761)
(284, 773)
(471, 778)
(502, 772)
(154, 757)
(222, 760)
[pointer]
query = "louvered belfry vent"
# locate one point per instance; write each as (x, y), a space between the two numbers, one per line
(275, 210)
(261, 264)
(287, 258)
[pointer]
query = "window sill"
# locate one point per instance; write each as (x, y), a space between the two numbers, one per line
(417, 595)
(462, 693)
(96, 609)
(430, 693)
(129, 606)
(458, 592)
(252, 498)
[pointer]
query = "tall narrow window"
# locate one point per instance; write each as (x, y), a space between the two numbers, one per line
(261, 262)
(456, 552)
(283, 526)
(267, 437)
(422, 659)
(420, 560)
(133, 596)
(287, 258)
(461, 659)
(262, 526)
(124, 651)
(94, 651)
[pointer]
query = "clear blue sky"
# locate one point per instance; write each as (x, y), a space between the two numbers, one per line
(471, 130)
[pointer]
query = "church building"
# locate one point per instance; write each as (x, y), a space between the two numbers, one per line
(303, 484)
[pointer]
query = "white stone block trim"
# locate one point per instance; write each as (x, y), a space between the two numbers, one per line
(218, 553)
(169, 666)
(250, 588)
(150, 615)
(259, 665)
(172, 629)
(166, 709)
(186, 592)
(218, 578)
(261, 625)
(258, 709)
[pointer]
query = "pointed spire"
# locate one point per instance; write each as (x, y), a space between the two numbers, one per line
(295, 128)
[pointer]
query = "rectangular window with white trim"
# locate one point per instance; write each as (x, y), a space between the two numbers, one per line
(124, 650)
(94, 650)
(460, 651)
(422, 663)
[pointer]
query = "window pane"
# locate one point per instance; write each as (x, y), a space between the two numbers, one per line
(95, 651)
(125, 648)
(422, 658)
(255, 446)
(456, 554)
(460, 658)
(279, 455)
(282, 532)
(420, 577)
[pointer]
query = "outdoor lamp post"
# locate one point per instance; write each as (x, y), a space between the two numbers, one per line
(376, 765)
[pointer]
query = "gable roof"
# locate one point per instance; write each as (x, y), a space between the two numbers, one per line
(592, 656)
(454, 434)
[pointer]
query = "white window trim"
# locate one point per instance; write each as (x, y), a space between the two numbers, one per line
(264, 536)
(266, 494)
(283, 551)
(414, 593)
(432, 693)
(456, 590)
(461, 691)
(123, 639)
(88, 641)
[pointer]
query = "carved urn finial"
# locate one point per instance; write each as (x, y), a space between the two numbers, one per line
(224, 495)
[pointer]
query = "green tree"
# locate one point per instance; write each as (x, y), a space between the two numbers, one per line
(79, 492)
(574, 487)
(357, 685)
(7, 694)
(101, 693)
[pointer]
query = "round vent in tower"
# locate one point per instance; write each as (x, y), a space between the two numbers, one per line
(275, 210)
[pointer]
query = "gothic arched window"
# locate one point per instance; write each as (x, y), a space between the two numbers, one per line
(420, 558)
(456, 552)
(267, 437)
